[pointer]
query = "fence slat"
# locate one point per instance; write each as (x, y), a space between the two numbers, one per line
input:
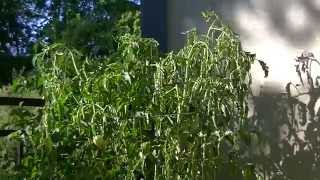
(25, 101)
(6, 132)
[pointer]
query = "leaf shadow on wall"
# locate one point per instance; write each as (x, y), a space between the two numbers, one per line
(294, 21)
(291, 20)
(289, 145)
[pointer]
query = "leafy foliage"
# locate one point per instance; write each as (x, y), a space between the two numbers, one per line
(11, 26)
(137, 113)
(90, 26)
(87, 25)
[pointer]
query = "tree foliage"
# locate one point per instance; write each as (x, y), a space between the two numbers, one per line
(88, 25)
(14, 33)
(23, 22)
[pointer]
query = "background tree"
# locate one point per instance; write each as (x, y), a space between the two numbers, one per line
(87, 25)
(17, 35)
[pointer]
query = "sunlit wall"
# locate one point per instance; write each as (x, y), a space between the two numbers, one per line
(277, 31)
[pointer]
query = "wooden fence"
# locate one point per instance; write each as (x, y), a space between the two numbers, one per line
(19, 101)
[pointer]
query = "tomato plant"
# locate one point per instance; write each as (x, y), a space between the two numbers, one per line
(141, 114)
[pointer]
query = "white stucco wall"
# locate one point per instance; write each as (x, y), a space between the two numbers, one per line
(277, 31)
